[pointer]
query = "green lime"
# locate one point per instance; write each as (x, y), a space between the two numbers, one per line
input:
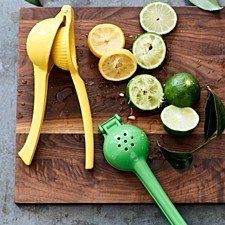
(179, 121)
(182, 90)
(145, 92)
(149, 50)
(158, 17)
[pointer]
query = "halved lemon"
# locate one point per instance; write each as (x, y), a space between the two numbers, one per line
(158, 17)
(104, 38)
(117, 65)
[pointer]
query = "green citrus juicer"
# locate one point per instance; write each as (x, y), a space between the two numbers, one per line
(126, 147)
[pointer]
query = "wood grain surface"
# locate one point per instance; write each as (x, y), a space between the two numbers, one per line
(57, 174)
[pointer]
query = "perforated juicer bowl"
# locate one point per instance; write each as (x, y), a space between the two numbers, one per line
(63, 51)
(59, 52)
(122, 141)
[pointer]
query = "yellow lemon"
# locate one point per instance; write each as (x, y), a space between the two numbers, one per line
(104, 38)
(117, 65)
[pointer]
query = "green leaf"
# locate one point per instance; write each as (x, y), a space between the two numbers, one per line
(210, 118)
(214, 115)
(34, 2)
(178, 160)
(209, 5)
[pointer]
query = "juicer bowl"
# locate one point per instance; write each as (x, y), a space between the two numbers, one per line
(124, 145)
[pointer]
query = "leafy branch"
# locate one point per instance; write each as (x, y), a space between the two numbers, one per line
(214, 125)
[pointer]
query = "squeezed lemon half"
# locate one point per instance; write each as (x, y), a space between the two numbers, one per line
(117, 65)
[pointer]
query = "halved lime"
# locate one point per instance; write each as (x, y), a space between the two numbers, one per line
(145, 92)
(179, 121)
(149, 50)
(158, 17)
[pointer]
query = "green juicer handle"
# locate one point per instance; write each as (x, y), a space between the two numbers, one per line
(150, 182)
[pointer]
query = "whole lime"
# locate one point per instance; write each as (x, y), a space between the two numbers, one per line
(182, 90)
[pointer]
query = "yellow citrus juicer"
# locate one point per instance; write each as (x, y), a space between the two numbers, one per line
(39, 45)
(64, 56)
(61, 52)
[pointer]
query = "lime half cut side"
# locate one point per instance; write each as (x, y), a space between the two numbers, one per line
(145, 92)
(149, 50)
(179, 121)
(158, 17)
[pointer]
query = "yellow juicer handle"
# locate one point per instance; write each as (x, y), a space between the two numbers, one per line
(87, 119)
(40, 95)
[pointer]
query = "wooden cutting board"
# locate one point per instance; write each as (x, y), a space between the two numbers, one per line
(57, 174)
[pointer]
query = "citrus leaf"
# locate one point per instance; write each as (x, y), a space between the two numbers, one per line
(34, 2)
(209, 5)
(178, 160)
(210, 118)
(187, 2)
(214, 115)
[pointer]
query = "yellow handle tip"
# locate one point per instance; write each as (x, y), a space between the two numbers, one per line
(26, 159)
(89, 166)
